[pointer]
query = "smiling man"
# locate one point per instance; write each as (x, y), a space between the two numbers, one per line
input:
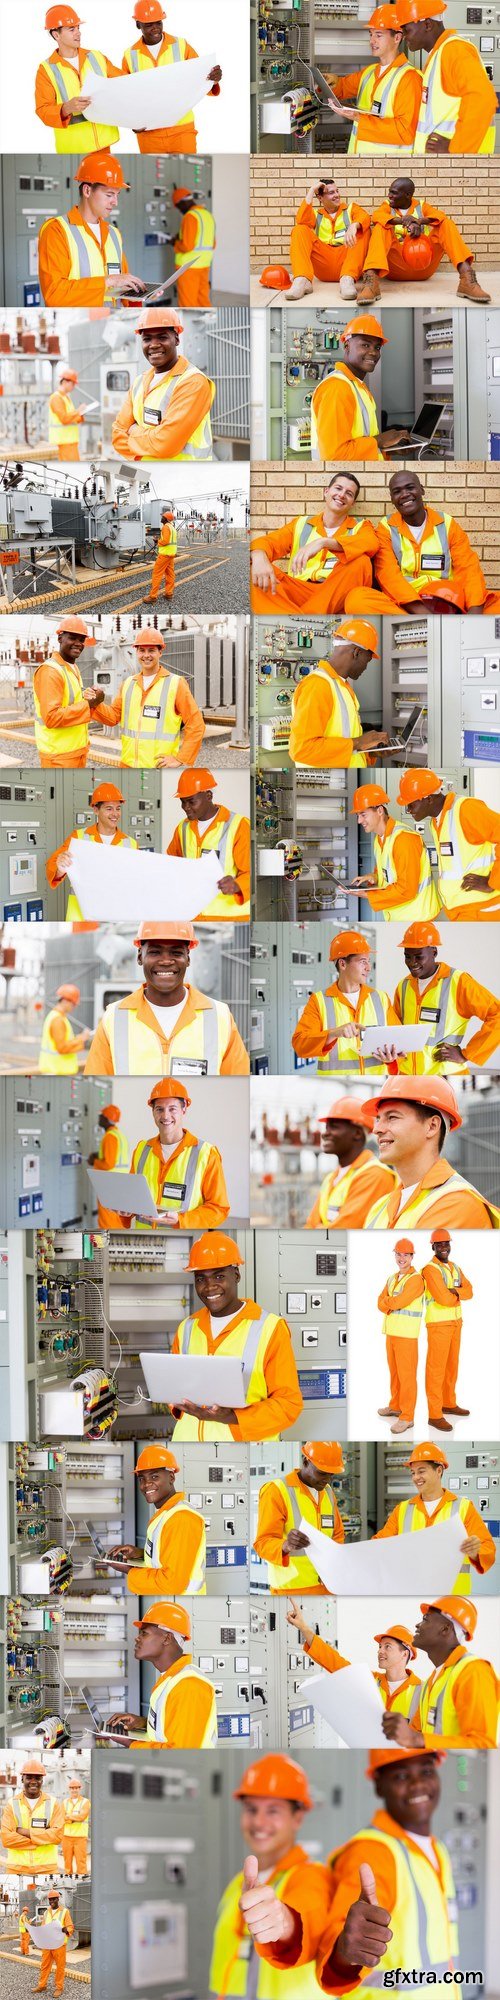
(447, 1000)
(424, 554)
(398, 1686)
(64, 85)
(329, 241)
(229, 1325)
(434, 1503)
(155, 49)
(458, 1706)
(405, 219)
(412, 1118)
(166, 413)
(348, 1193)
(327, 556)
(158, 717)
(344, 418)
(386, 93)
(185, 1175)
(458, 102)
(330, 1025)
(167, 1027)
(466, 845)
(172, 1562)
(275, 1795)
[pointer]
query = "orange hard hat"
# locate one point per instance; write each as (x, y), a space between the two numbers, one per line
(433, 1091)
(418, 10)
(351, 1112)
(107, 795)
(32, 1768)
(167, 515)
(401, 1633)
(182, 194)
(366, 796)
(155, 1456)
(168, 1087)
(62, 17)
(275, 1777)
(361, 634)
(379, 1758)
(384, 17)
(417, 253)
(100, 170)
(148, 10)
(427, 1454)
(403, 1243)
(71, 624)
(346, 942)
(275, 278)
(460, 1609)
(419, 935)
(326, 1457)
(156, 316)
(150, 931)
(111, 1111)
(365, 323)
(148, 636)
(440, 1236)
(191, 782)
(68, 375)
(172, 1617)
(211, 1250)
(68, 993)
(417, 785)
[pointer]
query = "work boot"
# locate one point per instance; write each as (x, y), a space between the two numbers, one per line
(388, 1412)
(369, 289)
(149, 600)
(299, 289)
(470, 289)
(440, 1424)
(347, 288)
(454, 1410)
(401, 1424)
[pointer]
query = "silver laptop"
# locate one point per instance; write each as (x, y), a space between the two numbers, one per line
(128, 1194)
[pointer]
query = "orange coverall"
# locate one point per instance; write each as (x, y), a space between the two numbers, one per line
(272, 1528)
(283, 1403)
(443, 1340)
(334, 409)
(241, 852)
(310, 258)
(466, 574)
(463, 75)
(110, 712)
(353, 569)
(75, 1845)
(363, 1192)
(63, 1037)
(478, 823)
(381, 132)
(385, 250)
(310, 1038)
(56, 1959)
(331, 1660)
(49, 685)
(474, 1002)
(12, 1836)
(190, 403)
(402, 1353)
(46, 105)
(308, 742)
(181, 1541)
(474, 1524)
(59, 405)
(475, 1701)
(406, 856)
(463, 1208)
(212, 1210)
(193, 287)
(54, 265)
(170, 138)
(110, 1152)
(162, 574)
(99, 1063)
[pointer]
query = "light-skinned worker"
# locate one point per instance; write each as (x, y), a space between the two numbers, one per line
(65, 418)
(156, 50)
(112, 1156)
(401, 1302)
(182, 1710)
(194, 245)
(466, 845)
(64, 85)
(330, 1024)
(185, 1174)
(434, 1503)
(401, 884)
(404, 218)
(166, 414)
(344, 417)
(63, 707)
(81, 259)
(326, 727)
(163, 575)
(446, 1290)
(172, 1562)
(308, 1494)
(412, 1118)
(348, 1193)
(328, 556)
(53, 1959)
(75, 1836)
(398, 1686)
(458, 1705)
(424, 554)
(275, 1795)
(158, 717)
(261, 1339)
(386, 92)
(329, 241)
(107, 801)
(23, 1928)
(32, 1825)
(166, 1027)
(208, 828)
(60, 1047)
(436, 993)
(458, 102)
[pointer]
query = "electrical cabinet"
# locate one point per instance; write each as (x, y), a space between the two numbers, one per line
(473, 1474)
(293, 961)
(33, 190)
(303, 1277)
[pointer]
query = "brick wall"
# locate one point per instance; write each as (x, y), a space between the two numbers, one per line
(471, 492)
(468, 190)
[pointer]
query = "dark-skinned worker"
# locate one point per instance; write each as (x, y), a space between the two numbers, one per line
(330, 1023)
(458, 1705)
(208, 828)
(446, 1290)
(32, 1824)
(275, 1795)
(158, 717)
(54, 1958)
(412, 1118)
(182, 1711)
(401, 1302)
(424, 554)
(466, 846)
(107, 801)
(63, 707)
(167, 1027)
(163, 576)
(327, 556)
(65, 418)
(386, 92)
(390, 1896)
(435, 1503)
(81, 257)
(166, 414)
(348, 1193)
(154, 50)
(64, 84)
(401, 884)
(307, 1493)
(261, 1338)
(398, 1686)
(60, 1048)
(326, 728)
(344, 417)
(172, 1562)
(436, 993)
(112, 1156)
(405, 218)
(458, 102)
(196, 239)
(185, 1174)
(329, 241)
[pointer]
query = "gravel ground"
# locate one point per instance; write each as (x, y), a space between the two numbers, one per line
(18, 755)
(18, 1976)
(214, 579)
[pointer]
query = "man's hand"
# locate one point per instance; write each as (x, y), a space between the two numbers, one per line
(387, 440)
(263, 575)
(228, 886)
(386, 1053)
(359, 882)
(215, 1411)
(266, 1918)
(398, 1730)
(214, 75)
(367, 1933)
(437, 145)
(448, 1052)
(414, 228)
(63, 859)
(295, 1540)
(75, 107)
(478, 883)
(296, 1618)
(94, 696)
(124, 281)
(350, 1031)
(471, 1547)
(370, 739)
(169, 1215)
(125, 1721)
(123, 1556)
(352, 232)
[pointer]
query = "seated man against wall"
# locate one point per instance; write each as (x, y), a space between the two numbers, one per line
(327, 555)
(400, 222)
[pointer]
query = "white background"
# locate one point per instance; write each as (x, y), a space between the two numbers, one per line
(223, 123)
(473, 948)
(218, 1112)
(478, 1253)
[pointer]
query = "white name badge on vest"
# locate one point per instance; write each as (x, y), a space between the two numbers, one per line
(327, 1521)
(152, 1721)
(172, 1191)
(152, 417)
(432, 562)
(189, 1066)
(148, 1546)
(429, 1013)
(431, 1718)
(446, 852)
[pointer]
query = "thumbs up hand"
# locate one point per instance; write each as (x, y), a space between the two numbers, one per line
(366, 1932)
(266, 1918)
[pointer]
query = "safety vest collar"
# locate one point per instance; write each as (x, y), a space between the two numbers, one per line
(390, 1688)
(419, 1506)
(436, 1177)
(166, 43)
(136, 1003)
(247, 1309)
(383, 1821)
(75, 217)
(434, 519)
(155, 1147)
(441, 971)
(399, 62)
(203, 826)
(450, 801)
(169, 374)
(390, 826)
(186, 1660)
(336, 993)
(454, 1659)
(358, 381)
(161, 675)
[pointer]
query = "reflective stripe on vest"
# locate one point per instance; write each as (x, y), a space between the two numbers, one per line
(75, 1829)
(53, 742)
(371, 1015)
(367, 100)
(236, 1971)
(348, 706)
(405, 1701)
(298, 1508)
(416, 214)
(205, 242)
(88, 260)
(333, 230)
(435, 542)
(138, 59)
(440, 1000)
(249, 1341)
(136, 1049)
(157, 1723)
(157, 399)
(438, 1715)
(439, 111)
(365, 421)
(121, 1163)
(60, 433)
(435, 1312)
(32, 1856)
(187, 1174)
(426, 901)
(466, 856)
(421, 1203)
(79, 134)
(167, 545)
(322, 563)
(400, 1325)
(220, 840)
(52, 1061)
(150, 729)
(152, 1558)
(333, 1193)
(410, 1522)
(424, 1915)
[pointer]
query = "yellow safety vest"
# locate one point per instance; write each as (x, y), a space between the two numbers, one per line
(150, 407)
(60, 433)
(58, 742)
(377, 102)
(121, 1163)
(236, 1971)
(433, 1311)
(430, 562)
(438, 1006)
(205, 242)
(405, 1701)
(137, 59)
(416, 214)
(325, 560)
(150, 730)
(438, 110)
(438, 1715)
(333, 1193)
(87, 259)
(333, 229)
(167, 545)
(197, 1049)
(23, 1926)
(404, 1324)
(371, 1013)
(414, 1210)
(73, 911)
(79, 134)
(76, 1829)
(248, 1338)
(424, 1914)
(51, 1063)
(157, 1724)
(344, 718)
(59, 1916)
(365, 421)
(299, 1505)
(152, 1557)
(27, 1821)
(455, 857)
(183, 1186)
(410, 1522)
(219, 838)
(426, 902)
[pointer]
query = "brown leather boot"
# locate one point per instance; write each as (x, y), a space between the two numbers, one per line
(470, 289)
(440, 1424)
(369, 289)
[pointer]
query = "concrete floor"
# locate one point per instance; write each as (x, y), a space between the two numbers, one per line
(441, 290)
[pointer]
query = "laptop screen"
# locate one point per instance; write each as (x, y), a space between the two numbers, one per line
(427, 421)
